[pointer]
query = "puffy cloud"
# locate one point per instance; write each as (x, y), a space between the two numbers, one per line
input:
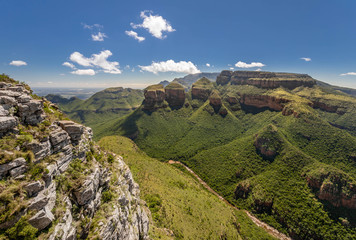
(171, 66)
(258, 70)
(135, 35)
(98, 37)
(231, 68)
(240, 64)
(97, 60)
(89, 72)
(348, 74)
(18, 63)
(68, 64)
(208, 64)
(306, 59)
(154, 24)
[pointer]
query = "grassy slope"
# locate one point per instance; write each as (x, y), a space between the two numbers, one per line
(103, 106)
(178, 202)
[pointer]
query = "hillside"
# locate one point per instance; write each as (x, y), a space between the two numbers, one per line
(55, 182)
(103, 106)
(275, 143)
(181, 208)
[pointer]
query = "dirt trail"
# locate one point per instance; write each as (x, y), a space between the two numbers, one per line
(274, 232)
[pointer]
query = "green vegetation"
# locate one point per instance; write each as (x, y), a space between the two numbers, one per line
(203, 83)
(223, 152)
(102, 107)
(178, 202)
(22, 230)
(174, 85)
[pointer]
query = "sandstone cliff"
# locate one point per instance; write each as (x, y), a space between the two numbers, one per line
(175, 94)
(332, 185)
(201, 89)
(265, 79)
(56, 183)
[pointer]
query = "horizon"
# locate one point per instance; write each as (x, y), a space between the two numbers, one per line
(140, 43)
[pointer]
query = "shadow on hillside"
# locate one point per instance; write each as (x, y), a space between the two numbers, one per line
(255, 110)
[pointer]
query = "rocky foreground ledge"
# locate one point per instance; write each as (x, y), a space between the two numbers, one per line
(55, 183)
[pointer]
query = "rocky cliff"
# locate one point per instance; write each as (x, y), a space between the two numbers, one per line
(332, 185)
(55, 182)
(265, 79)
(157, 96)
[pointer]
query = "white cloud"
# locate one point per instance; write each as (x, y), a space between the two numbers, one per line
(68, 64)
(208, 64)
(306, 59)
(98, 37)
(154, 24)
(18, 63)
(171, 66)
(348, 74)
(258, 70)
(240, 64)
(231, 68)
(89, 72)
(135, 35)
(97, 26)
(97, 60)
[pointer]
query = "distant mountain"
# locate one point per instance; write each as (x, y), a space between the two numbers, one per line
(164, 83)
(350, 91)
(102, 107)
(188, 80)
(278, 144)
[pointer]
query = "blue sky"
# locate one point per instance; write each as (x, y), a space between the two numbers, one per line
(174, 38)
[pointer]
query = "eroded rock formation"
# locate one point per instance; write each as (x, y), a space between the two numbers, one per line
(333, 186)
(175, 94)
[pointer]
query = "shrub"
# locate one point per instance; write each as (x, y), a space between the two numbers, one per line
(22, 230)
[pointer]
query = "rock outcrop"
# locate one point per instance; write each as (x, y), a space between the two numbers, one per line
(333, 186)
(158, 97)
(268, 143)
(175, 94)
(55, 165)
(265, 79)
(154, 97)
(201, 89)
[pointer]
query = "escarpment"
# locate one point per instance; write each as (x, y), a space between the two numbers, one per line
(263, 101)
(265, 79)
(55, 182)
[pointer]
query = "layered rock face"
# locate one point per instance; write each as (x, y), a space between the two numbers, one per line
(334, 187)
(175, 94)
(261, 101)
(202, 89)
(265, 79)
(57, 182)
(17, 106)
(155, 96)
